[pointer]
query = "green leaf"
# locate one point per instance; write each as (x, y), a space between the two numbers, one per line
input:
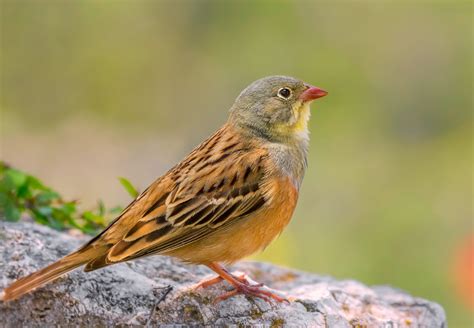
(46, 197)
(24, 191)
(7, 184)
(62, 217)
(38, 217)
(36, 183)
(12, 212)
(45, 210)
(69, 208)
(101, 208)
(3, 200)
(94, 218)
(129, 187)
(56, 221)
(16, 177)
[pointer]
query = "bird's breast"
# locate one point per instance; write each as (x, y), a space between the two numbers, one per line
(290, 160)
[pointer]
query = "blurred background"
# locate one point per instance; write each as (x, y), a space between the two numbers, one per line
(93, 90)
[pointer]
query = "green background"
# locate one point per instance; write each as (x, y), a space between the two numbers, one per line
(93, 90)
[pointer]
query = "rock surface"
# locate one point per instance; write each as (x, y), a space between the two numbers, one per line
(158, 291)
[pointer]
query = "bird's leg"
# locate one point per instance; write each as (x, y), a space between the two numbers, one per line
(242, 277)
(241, 285)
(208, 282)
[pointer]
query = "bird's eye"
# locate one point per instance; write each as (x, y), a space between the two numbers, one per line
(284, 93)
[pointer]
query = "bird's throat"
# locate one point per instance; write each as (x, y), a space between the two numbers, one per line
(302, 114)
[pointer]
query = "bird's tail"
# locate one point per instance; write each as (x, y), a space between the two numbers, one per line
(51, 272)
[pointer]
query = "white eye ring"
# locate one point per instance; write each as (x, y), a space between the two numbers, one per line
(284, 93)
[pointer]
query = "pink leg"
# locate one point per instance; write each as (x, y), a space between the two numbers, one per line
(241, 285)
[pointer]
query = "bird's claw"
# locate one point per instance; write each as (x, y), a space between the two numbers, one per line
(254, 291)
(241, 277)
(242, 285)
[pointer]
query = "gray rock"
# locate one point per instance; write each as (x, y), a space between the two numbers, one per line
(158, 291)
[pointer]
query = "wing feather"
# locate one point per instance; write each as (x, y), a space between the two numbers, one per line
(218, 184)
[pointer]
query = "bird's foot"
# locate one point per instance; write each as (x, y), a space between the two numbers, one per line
(207, 282)
(239, 276)
(257, 290)
(242, 285)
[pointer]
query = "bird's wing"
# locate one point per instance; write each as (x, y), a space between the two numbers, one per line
(219, 183)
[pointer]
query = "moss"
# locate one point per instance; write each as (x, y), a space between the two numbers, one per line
(206, 300)
(193, 312)
(355, 324)
(345, 307)
(256, 314)
(277, 323)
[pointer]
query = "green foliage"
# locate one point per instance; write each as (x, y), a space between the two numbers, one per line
(22, 194)
(129, 187)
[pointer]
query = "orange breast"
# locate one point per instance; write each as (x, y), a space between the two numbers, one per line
(248, 236)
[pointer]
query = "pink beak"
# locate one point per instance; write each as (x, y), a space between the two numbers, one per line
(312, 93)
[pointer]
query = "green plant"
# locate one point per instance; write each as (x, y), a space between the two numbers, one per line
(23, 195)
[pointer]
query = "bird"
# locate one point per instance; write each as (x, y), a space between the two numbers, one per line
(229, 198)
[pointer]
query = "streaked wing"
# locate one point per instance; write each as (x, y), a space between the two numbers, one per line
(217, 184)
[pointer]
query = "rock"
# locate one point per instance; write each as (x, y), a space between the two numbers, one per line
(158, 291)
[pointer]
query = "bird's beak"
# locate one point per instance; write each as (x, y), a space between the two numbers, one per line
(312, 93)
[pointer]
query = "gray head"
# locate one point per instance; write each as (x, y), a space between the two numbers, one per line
(276, 107)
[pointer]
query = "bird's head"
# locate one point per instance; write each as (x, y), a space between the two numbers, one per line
(275, 107)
